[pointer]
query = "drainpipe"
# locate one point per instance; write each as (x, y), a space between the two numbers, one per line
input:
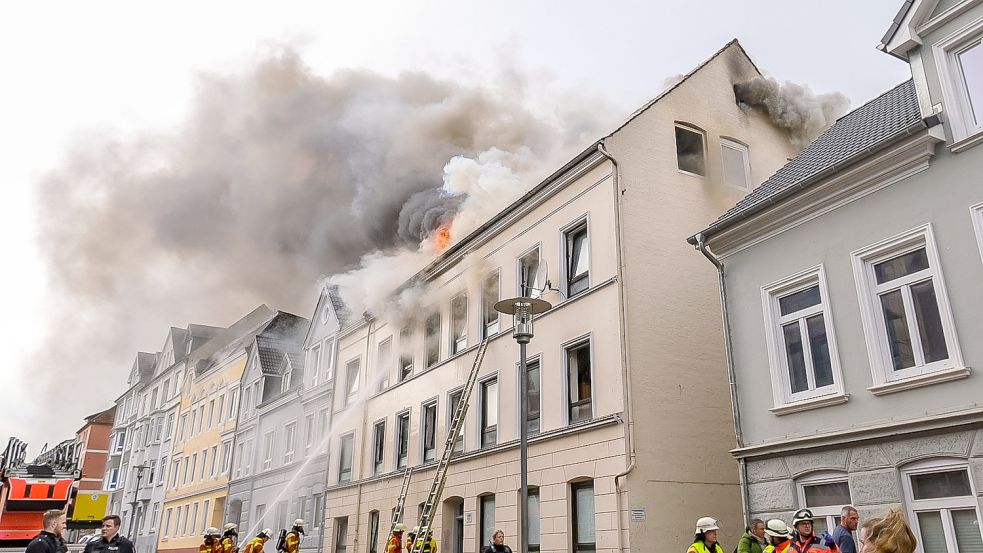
(623, 323)
(731, 372)
(364, 376)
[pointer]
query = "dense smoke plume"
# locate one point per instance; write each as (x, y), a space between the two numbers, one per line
(793, 107)
(277, 177)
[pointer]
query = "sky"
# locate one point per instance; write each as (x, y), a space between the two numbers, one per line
(71, 69)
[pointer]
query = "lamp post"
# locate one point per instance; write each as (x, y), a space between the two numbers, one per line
(522, 310)
(136, 493)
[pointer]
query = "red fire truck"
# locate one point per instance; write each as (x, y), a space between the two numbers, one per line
(27, 490)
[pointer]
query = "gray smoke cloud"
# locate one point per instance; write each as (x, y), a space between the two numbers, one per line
(276, 177)
(794, 107)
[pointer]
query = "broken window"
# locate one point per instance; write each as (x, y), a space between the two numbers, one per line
(406, 353)
(690, 155)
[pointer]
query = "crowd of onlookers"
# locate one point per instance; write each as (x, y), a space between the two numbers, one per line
(886, 534)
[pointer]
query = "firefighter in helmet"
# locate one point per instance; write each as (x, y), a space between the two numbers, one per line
(292, 541)
(779, 538)
(428, 543)
(395, 544)
(229, 539)
(705, 540)
(212, 541)
(804, 538)
(255, 545)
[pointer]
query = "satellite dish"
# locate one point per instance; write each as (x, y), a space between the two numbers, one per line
(542, 278)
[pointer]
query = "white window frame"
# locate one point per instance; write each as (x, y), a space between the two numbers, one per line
(315, 363)
(287, 377)
(351, 393)
(310, 433)
(675, 148)
(784, 400)
(341, 458)
(113, 481)
(518, 271)
(269, 445)
(531, 359)
(565, 375)
(965, 130)
(885, 378)
(583, 220)
(432, 402)
(458, 344)
(375, 432)
(226, 462)
(832, 512)
(492, 328)
(945, 504)
(290, 441)
(385, 353)
(409, 432)
(450, 419)
(976, 213)
(498, 410)
(745, 152)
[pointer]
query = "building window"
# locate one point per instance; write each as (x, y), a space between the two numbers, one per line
(453, 403)
(341, 535)
(489, 412)
(459, 323)
(220, 410)
(405, 353)
(825, 494)
(977, 214)
(532, 514)
(907, 320)
(162, 471)
(402, 439)
(204, 464)
(194, 518)
(268, 456)
(318, 510)
(530, 278)
(315, 364)
(583, 516)
(289, 442)
(351, 380)
(533, 400)
(309, 431)
(191, 471)
(167, 522)
(801, 349)
(261, 515)
(942, 499)
(178, 521)
(205, 514)
(151, 470)
(379, 447)
(169, 427)
(212, 472)
(487, 518)
(384, 363)
(175, 472)
(489, 297)
(576, 249)
(690, 150)
(432, 338)
(579, 382)
(347, 455)
(113, 479)
(960, 60)
(226, 463)
(286, 380)
(429, 431)
(374, 532)
(737, 169)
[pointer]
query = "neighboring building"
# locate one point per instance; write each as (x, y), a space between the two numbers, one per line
(201, 455)
(627, 340)
(153, 431)
(92, 448)
(853, 283)
(278, 470)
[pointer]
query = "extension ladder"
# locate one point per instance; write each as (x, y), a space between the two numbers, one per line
(401, 502)
(440, 477)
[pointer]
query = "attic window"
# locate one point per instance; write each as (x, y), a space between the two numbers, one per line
(690, 151)
(325, 313)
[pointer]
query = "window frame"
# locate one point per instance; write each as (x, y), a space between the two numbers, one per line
(351, 394)
(830, 513)
(486, 309)
(483, 501)
(481, 410)
(533, 491)
(943, 505)
(379, 464)
(290, 441)
(384, 361)
(745, 151)
(574, 545)
(374, 523)
(405, 353)
(340, 538)
(310, 432)
(396, 440)
(341, 457)
(583, 221)
(457, 344)
(885, 378)
(565, 347)
(269, 443)
(976, 213)
(432, 402)
(519, 283)
(315, 363)
(675, 143)
(954, 94)
(535, 359)
(450, 419)
(431, 344)
(771, 294)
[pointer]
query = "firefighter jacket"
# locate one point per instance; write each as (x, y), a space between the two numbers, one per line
(429, 546)
(801, 544)
(229, 544)
(395, 544)
(780, 548)
(118, 544)
(255, 545)
(700, 547)
(214, 547)
(292, 542)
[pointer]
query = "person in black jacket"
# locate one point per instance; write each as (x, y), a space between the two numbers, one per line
(497, 544)
(111, 541)
(50, 540)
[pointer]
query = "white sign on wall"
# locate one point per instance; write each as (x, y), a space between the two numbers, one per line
(638, 515)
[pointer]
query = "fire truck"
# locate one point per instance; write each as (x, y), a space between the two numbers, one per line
(27, 490)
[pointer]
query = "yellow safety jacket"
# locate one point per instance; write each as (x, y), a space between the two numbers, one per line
(430, 546)
(255, 545)
(292, 542)
(214, 547)
(228, 544)
(395, 544)
(700, 547)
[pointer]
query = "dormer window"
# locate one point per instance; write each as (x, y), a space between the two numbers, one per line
(960, 61)
(285, 385)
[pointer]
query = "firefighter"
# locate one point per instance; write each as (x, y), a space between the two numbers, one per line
(779, 538)
(803, 538)
(429, 545)
(292, 541)
(255, 545)
(229, 539)
(705, 540)
(212, 541)
(395, 544)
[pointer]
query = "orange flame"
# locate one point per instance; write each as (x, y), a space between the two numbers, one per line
(442, 237)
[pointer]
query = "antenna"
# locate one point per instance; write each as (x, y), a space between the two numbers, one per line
(543, 278)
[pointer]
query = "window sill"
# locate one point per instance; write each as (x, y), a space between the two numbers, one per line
(963, 144)
(937, 377)
(812, 403)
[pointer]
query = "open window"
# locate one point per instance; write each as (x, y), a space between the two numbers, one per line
(690, 150)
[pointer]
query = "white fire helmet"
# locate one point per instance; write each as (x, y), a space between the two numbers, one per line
(212, 531)
(299, 522)
(399, 527)
(266, 533)
(415, 531)
(705, 524)
(777, 528)
(230, 526)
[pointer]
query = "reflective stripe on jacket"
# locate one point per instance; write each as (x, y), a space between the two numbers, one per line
(700, 547)
(292, 542)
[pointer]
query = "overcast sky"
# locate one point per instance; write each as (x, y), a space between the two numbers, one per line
(73, 67)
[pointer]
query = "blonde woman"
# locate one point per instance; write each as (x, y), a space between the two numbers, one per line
(888, 534)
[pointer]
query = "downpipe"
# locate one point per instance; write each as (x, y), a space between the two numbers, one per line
(731, 372)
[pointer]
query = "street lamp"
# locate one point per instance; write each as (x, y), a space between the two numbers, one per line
(523, 310)
(136, 493)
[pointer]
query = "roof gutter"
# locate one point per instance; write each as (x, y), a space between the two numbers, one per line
(724, 224)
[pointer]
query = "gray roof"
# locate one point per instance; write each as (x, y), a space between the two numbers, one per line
(283, 337)
(896, 22)
(858, 134)
(341, 310)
